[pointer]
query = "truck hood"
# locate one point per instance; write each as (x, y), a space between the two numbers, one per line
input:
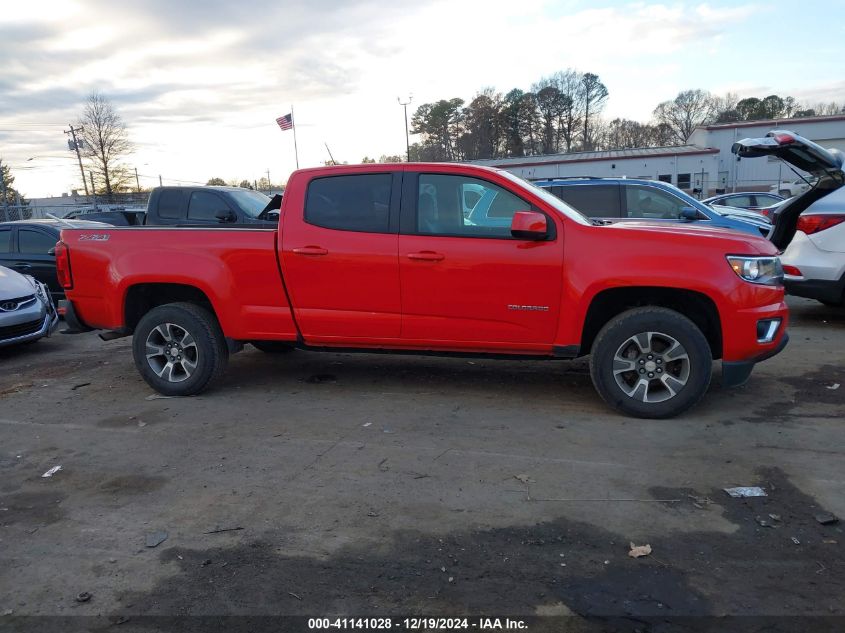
(825, 165)
(732, 241)
(13, 285)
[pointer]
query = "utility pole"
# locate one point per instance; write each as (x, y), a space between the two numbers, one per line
(75, 142)
(137, 184)
(93, 189)
(404, 105)
(159, 180)
(269, 188)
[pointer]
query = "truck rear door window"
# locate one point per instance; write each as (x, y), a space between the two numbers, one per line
(170, 204)
(358, 202)
(5, 240)
(594, 201)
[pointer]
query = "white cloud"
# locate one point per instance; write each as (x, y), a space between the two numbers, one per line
(200, 84)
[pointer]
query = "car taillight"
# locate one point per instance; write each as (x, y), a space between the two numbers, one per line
(765, 211)
(813, 223)
(784, 139)
(63, 266)
(791, 270)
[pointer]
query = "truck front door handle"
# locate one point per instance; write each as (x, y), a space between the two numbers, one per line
(427, 256)
(22, 266)
(311, 250)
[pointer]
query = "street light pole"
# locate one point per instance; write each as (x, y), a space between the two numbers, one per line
(404, 105)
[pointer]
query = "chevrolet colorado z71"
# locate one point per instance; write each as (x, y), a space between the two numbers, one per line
(382, 257)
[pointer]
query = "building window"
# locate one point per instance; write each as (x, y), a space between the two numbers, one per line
(683, 181)
(665, 178)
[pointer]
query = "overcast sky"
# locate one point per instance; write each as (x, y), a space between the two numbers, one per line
(199, 84)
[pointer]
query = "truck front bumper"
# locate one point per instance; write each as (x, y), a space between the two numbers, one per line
(736, 373)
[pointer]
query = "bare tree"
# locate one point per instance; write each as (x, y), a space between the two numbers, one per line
(594, 95)
(105, 142)
(686, 111)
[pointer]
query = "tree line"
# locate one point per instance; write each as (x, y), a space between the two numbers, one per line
(563, 113)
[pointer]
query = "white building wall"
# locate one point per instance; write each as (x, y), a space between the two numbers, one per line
(645, 167)
(760, 173)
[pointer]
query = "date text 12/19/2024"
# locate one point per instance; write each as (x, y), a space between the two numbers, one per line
(418, 624)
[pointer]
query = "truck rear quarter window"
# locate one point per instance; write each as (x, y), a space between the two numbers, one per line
(170, 204)
(357, 202)
(594, 201)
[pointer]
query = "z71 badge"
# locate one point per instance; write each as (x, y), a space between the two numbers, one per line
(94, 237)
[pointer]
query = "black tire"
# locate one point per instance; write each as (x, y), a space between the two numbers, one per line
(694, 369)
(786, 193)
(273, 347)
(207, 349)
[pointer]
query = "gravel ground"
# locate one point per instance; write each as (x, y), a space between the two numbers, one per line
(370, 485)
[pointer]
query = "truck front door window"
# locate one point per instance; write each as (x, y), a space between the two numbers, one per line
(204, 206)
(442, 207)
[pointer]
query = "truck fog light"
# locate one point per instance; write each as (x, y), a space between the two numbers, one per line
(767, 329)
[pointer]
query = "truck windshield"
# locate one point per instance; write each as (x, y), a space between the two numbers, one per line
(250, 202)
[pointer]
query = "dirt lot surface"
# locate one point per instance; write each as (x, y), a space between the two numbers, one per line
(369, 485)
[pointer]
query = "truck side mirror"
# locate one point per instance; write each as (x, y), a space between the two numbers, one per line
(225, 216)
(529, 225)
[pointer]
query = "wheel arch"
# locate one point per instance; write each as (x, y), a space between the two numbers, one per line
(694, 305)
(140, 298)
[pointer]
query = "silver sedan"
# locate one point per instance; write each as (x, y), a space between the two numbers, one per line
(27, 312)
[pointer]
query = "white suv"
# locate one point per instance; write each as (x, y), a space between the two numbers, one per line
(814, 262)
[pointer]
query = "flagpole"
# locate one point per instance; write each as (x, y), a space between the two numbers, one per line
(293, 124)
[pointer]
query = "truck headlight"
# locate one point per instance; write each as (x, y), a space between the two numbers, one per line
(758, 270)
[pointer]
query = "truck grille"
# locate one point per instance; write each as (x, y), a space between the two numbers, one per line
(21, 329)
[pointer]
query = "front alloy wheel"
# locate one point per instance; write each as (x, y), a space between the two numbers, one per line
(651, 362)
(651, 366)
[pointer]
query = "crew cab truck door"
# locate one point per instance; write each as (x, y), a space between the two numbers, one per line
(469, 286)
(339, 248)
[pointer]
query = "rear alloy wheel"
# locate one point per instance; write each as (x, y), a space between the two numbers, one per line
(179, 349)
(651, 363)
(785, 193)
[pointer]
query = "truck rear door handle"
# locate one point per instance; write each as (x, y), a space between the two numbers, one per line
(22, 266)
(427, 256)
(311, 250)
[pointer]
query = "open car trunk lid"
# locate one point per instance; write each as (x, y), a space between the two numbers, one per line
(826, 165)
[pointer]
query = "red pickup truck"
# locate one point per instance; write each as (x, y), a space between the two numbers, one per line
(383, 257)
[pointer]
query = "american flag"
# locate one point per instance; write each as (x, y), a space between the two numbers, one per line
(285, 122)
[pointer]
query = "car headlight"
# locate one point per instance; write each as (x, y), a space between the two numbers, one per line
(758, 270)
